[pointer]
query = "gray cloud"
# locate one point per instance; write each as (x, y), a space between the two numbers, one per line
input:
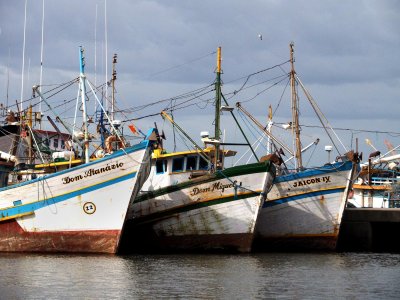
(346, 51)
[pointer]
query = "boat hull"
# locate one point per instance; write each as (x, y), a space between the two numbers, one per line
(304, 210)
(214, 213)
(82, 209)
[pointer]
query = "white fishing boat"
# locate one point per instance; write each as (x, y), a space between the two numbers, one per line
(79, 209)
(304, 207)
(190, 202)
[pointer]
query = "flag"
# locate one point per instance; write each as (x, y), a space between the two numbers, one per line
(133, 129)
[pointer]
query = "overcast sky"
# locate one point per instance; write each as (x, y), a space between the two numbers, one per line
(347, 55)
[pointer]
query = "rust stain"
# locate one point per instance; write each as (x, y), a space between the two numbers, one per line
(14, 239)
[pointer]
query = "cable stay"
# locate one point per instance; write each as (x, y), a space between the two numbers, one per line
(321, 116)
(200, 149)
(263, 129)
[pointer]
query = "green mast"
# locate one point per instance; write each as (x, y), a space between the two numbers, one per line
(217, 107)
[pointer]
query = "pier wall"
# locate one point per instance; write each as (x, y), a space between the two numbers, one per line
(370, 229)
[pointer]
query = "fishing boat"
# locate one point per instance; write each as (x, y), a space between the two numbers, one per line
(304, 207)
(378, 183)
(191, 202)
(81, 208)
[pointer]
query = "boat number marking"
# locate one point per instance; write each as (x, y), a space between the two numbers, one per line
(89, 208)
(323, 179)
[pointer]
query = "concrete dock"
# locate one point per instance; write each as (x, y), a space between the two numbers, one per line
(370, 229)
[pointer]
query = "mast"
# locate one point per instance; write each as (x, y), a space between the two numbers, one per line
(295, 112)
(217, 107)
(269, 129)
(30, 132)
(82, 79)
(114, 77)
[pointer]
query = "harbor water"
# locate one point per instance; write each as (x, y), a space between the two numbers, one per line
(201, 276)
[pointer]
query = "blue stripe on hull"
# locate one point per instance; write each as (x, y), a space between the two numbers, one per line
(336, 167)
(302, 196)
(30, 207)
(135, 148)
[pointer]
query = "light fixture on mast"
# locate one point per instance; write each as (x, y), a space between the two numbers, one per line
(328, 148)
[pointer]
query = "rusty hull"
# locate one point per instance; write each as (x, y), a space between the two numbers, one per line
(14, 239)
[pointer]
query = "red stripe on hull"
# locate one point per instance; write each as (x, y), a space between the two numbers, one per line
(14, 239)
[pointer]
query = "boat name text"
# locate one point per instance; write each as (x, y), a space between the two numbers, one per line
(214, 187)
(92, 172)
(323, 179)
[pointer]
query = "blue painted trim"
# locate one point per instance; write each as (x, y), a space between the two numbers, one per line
(302, 196)
(30, 207)
(336, 167)
(137, 147)
(81, 61)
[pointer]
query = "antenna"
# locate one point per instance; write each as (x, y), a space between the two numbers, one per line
(95, 49)
(95, 56)
(8, 76)
(106, 42)
(23, 59)
(41, 60)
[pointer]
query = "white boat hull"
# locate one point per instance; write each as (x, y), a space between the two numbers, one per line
(304, 210)
(82, 209)
(212, 213)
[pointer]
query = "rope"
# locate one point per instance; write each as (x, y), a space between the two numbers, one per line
(236, 186)
(37, 146)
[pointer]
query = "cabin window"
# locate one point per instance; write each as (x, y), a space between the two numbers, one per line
(177, 164)
(62, 144)
(47, 142)
(203, 164)
(55, 143)
(161, 166)
(191, 163)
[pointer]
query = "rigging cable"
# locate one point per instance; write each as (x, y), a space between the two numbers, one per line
(255, 73)
(183, 64)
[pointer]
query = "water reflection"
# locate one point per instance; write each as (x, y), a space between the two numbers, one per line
(248, 276)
